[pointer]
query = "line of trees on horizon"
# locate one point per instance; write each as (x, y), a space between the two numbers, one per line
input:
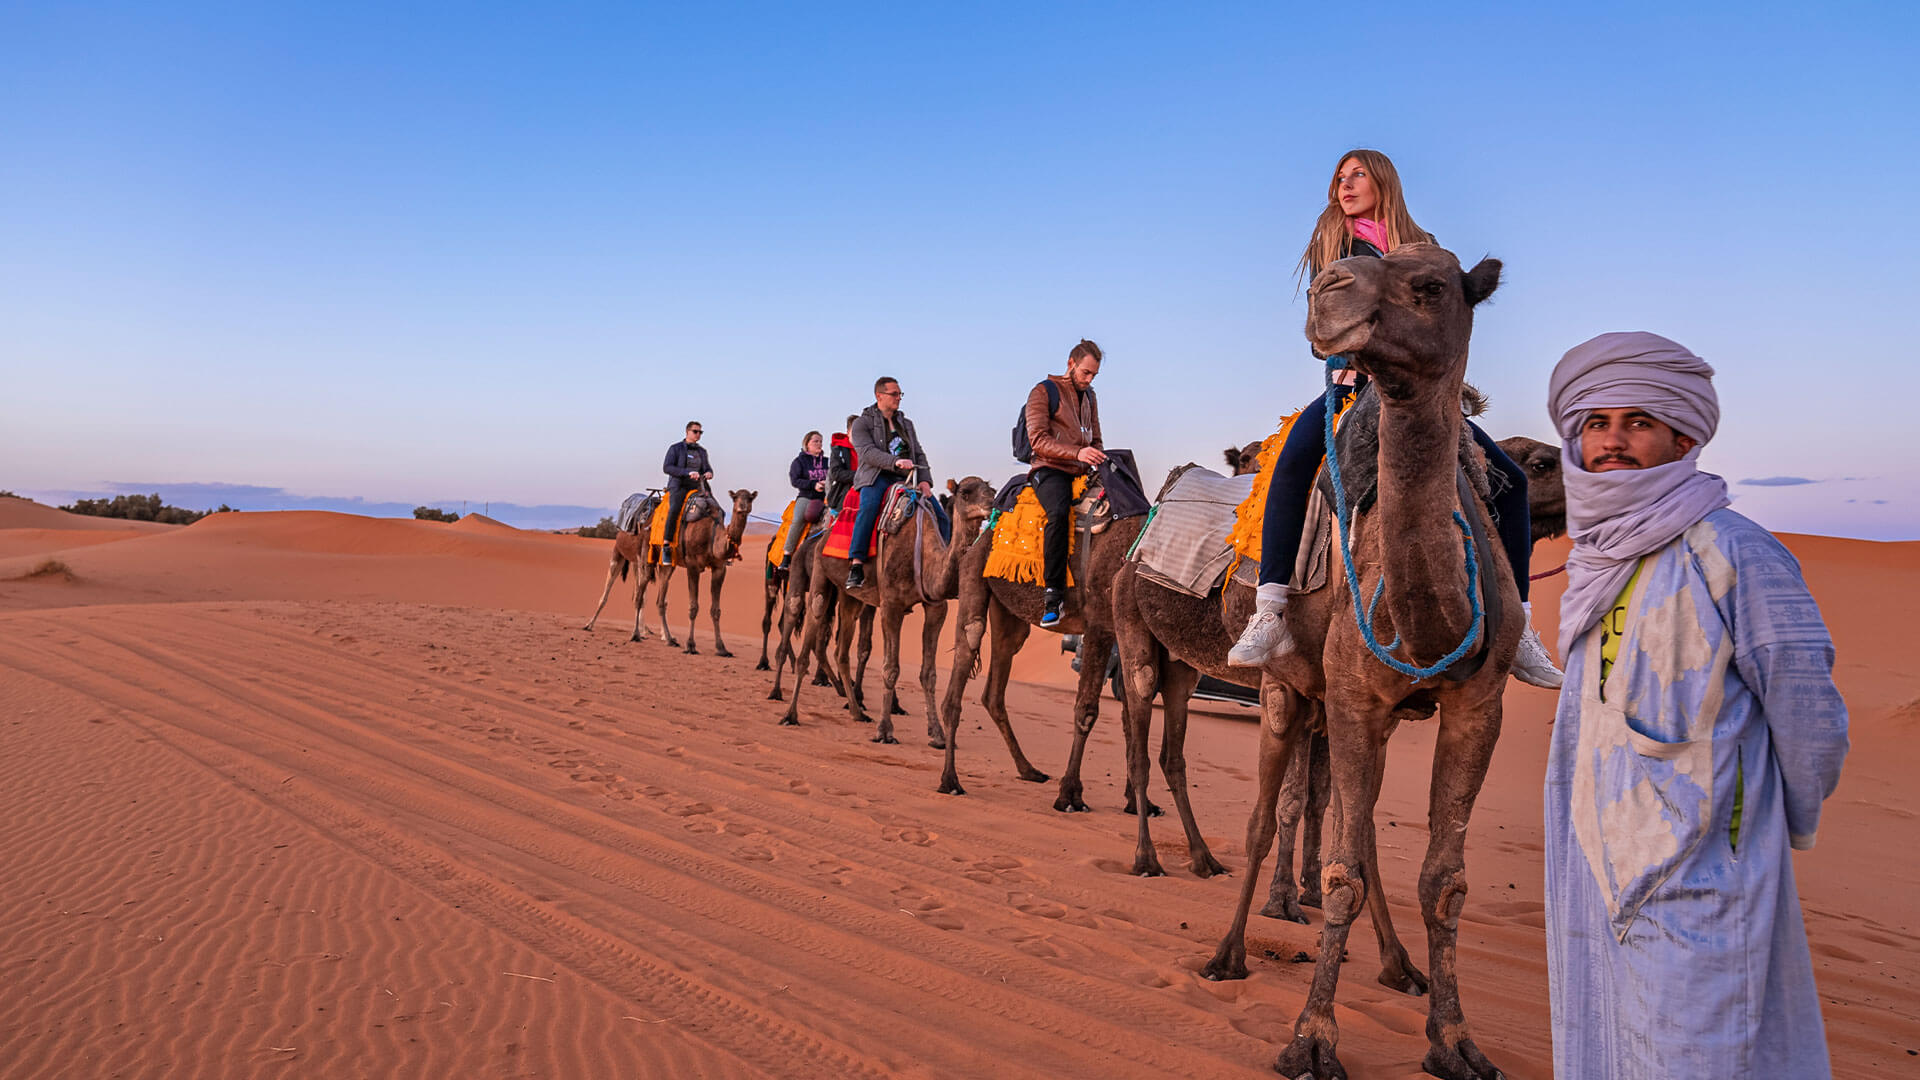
(141, 508)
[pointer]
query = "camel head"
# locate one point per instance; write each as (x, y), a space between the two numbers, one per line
(1403, 320)
(1546, 488)
(1241, 459)
(742, 502)
(972, 501)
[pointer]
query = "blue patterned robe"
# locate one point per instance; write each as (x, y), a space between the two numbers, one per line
(1671, 952)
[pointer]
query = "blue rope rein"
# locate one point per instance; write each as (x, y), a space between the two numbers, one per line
(1364, 618)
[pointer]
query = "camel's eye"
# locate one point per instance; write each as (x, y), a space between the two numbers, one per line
(1429, 289)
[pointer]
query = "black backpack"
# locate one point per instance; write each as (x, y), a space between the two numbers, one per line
(1022, 446)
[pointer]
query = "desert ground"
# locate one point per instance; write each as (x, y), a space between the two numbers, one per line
(314, 795)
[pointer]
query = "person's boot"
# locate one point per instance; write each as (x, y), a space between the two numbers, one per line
(1050, 611)
(1532, 664)
(1265, 636)
(856, 575)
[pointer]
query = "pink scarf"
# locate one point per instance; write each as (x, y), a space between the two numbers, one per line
(1371, 231)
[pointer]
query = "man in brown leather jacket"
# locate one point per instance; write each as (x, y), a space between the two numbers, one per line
(1064, 428)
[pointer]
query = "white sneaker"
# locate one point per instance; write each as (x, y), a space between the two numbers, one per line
(1532, 664)
(1264, 638)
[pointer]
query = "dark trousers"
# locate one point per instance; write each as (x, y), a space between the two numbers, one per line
(676, 499)
(1285, 516)
(873, 498)
(1054, 489)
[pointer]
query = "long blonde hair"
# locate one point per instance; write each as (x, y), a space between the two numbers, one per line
(1332, 234)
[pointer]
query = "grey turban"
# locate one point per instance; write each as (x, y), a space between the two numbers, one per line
(1634, 370)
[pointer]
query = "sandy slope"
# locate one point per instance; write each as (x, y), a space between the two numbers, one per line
(317, 795)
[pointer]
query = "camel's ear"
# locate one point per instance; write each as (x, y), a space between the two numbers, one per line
(953, 486)
(1233, 457)
(1482, 280)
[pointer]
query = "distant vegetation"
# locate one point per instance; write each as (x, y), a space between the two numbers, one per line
(606, 530)
(140, 508)
(433, 513)
(5, 494)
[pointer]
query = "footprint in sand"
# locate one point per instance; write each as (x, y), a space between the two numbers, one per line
(799, 787)
(909, 836)
(702, 827)
(756, 854)
(690, 809)
(1041, 909)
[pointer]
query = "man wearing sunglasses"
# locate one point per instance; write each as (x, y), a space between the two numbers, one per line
(687, 468)
(890, 452)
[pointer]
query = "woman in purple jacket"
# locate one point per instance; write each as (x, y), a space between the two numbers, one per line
(808, 475)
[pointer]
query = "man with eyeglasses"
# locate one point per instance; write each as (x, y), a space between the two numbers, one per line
(687, 468)
(889, 452)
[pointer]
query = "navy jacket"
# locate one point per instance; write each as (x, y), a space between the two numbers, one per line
(685, 462)
(806, 470)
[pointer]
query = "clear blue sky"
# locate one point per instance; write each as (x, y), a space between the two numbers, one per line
(425, 253)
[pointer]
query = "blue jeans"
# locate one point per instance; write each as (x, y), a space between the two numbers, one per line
(873, 498)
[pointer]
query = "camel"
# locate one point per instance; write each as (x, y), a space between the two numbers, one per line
(701, 545)
(1405, 321)
(914, 559)
(791, 595)
(1305, 793)
(1006, 612)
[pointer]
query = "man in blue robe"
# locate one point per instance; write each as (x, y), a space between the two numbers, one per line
(1697, 735)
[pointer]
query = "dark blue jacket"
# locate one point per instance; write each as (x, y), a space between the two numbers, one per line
(807, 470)
(685, 462)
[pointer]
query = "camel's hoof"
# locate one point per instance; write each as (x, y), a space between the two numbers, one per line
(1405, 978)
(776, 695)
(861, 718)
(950, 785)
(763, 665)
(1034, 776)
(1229, 964)
(937, 743)
(636, 637)
(897, 710)
(691, 651)
(1070, 803)
(885, 737)
(722, 652)
(1284, 909)
(588, 628)
(823, 680)
(788, 721)
(1152, 810)
(1204, 865)
(1310, 1058)
(1461, 1062)
(1148, 866)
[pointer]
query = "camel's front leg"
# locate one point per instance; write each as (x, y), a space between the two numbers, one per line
(613, 572)
(1096, 651)
(969, 631)
(774, 592)
(693, 607)
(713, 605)
(642, 577)
(1140, 659)
(933, 619)
(1176, 690)
(815, 625)
(1006, 633)
(1461, 754)
(1354, 725)
(1279, 728)
(666, 630)
(1397, 971)
(891, 616)
(845, 620)
(1283, 898)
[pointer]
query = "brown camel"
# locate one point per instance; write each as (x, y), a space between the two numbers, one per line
(701, 545)
(1541, 462)
(791, 595)
(1005, 613)
(915, 567)
(1308, 787)
(1405, 321)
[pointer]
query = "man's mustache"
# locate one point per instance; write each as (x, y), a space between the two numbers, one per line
(1615, 457)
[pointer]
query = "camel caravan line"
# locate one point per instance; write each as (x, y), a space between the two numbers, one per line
(1407, 582)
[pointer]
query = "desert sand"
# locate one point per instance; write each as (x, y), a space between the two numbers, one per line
(315, 795)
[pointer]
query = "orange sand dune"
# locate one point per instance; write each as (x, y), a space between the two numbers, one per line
(18, 513)
(314, 795)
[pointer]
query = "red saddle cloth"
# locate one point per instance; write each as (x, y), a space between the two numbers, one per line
(841, 538)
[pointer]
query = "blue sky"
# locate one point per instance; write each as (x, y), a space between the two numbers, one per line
(428, 253)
